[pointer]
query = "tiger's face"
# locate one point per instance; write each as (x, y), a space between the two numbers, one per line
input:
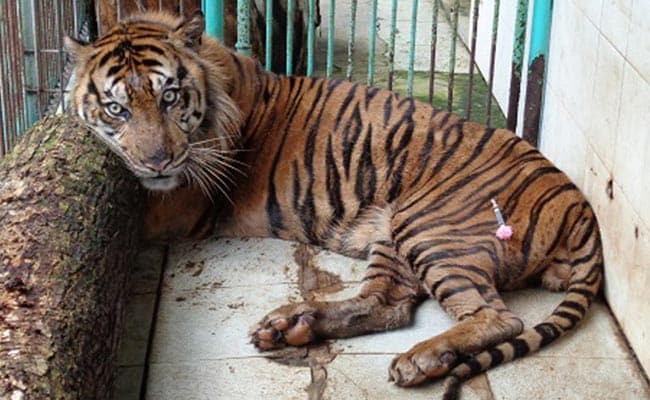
(142, 89)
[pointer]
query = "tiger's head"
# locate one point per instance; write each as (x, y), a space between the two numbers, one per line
(147, 91)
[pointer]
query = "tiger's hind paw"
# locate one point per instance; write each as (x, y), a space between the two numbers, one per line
(288, 325)
(421, 363)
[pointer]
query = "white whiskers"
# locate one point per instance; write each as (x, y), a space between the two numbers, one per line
(212, 169)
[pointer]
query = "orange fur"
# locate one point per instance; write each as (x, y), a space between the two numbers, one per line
(359, 170)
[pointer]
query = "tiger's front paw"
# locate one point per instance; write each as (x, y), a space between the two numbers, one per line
(426, 360)
(288, 325)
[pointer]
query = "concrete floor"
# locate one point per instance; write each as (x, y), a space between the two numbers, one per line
(213, 292)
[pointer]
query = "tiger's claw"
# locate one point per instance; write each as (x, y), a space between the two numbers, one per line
(277, 332)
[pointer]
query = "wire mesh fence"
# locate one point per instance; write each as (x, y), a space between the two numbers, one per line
(32, 59)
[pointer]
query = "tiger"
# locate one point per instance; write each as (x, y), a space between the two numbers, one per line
(229, 149)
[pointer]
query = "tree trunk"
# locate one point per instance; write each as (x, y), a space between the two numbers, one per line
(69, 224)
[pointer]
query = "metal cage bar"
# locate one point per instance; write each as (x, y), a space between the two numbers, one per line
(493, 51)
(214, 22)
(372, 43)
(517, 63)
(330, 40)
(432, 51)
(311, 28)
(472, 59)
(411, 67)
(452, 55)
(391, 49)
(268, 43)
(289, 55)
(243, 44)
(351, 37)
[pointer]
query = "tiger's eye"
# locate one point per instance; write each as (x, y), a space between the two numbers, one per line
(116, 110)
(169, 97)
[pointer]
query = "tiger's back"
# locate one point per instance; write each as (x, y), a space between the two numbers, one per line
(359, 170)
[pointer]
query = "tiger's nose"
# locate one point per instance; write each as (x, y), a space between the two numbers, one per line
(159, 161)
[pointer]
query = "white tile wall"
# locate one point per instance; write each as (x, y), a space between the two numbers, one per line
(638, 47)
(596, 127)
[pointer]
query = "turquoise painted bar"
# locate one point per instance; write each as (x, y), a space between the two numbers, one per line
(213, 10)
(330, 40)
(243, 44)
(268, 47)
(310, 36)
(289, 54)
(540, 30)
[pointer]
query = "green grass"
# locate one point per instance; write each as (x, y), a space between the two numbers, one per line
(420, 82)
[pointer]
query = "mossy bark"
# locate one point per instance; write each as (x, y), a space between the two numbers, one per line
(69, 225)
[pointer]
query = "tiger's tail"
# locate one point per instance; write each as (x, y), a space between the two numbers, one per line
(584, 283)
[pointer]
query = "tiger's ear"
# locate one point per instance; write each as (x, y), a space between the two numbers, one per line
(191, 29)
(75, 48)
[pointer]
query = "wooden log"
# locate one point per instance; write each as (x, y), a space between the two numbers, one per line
(69, 225)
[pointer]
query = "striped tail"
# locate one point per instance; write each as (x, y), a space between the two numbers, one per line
(585, 280)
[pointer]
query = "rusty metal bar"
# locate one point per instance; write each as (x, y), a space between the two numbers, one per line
(472, 59)
(411, 68)
(493, 51)
(517, 63)
(539, 43)
(452, 55)
(391, 49)
(59, 35)
(432, 58)
(4, 120)
(37, 57)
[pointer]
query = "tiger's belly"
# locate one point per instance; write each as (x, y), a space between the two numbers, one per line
(352, 236)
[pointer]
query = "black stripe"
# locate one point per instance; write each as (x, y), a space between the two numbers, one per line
(536, 211)
(445, 279)
(181, 72)
(474, 366)
(307, 210)
(496, 356)
(344, 106)
(350, 139)
(150, 62)
(297, 189)
(520, 347)
(273, 209)
(333, 183)
(388, 109)
(548, 332)
(396, 179)
(586, 235)
(366, 180)
(454, 291)
(574, 306)
(148, 47)
(568, 316)
(588, 294)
